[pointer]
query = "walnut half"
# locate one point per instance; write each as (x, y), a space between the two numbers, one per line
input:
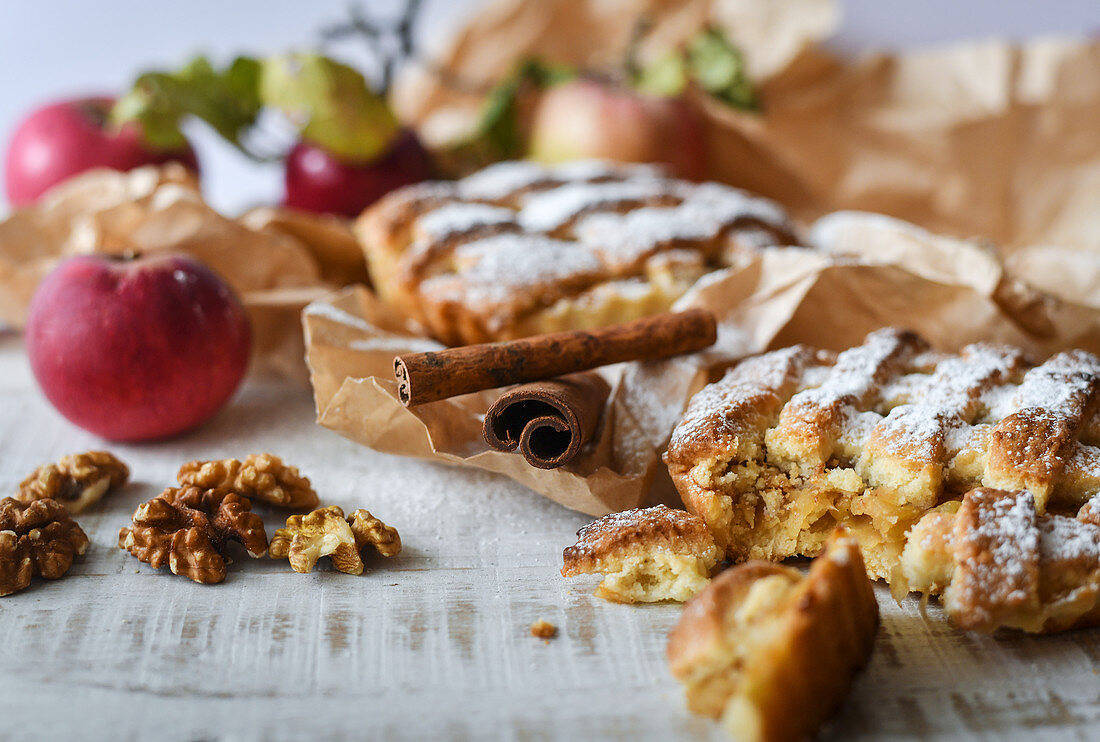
(75, 481)
(326, 532)
(188, 528)
(260, 476)
(39, 538)
(369, 531)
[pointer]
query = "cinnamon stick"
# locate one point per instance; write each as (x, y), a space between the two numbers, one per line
(427, 377)
(547, 421)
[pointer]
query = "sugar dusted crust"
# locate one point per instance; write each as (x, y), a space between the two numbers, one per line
(647, 554)
(520, 248)
(1000, 564)
(772, 652)
(792, 443)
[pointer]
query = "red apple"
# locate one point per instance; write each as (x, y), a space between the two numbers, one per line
(137, 349)
(317, 181)
(62, 139)
(588, 118)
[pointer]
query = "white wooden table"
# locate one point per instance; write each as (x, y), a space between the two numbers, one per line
(433, 644)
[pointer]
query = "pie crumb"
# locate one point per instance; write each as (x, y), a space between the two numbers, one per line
(544, 630)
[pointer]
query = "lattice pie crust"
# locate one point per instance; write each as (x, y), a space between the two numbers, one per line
(520, 249)
(792, 443)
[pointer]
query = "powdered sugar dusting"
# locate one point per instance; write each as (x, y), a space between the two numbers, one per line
(545, 211)
(846, 390)
(598, 169)
(459, 218)
(706, 210)
(1061, 386)
(494, 268)
(502, 179)
(713, 411)
(999, 555)
(1083, 461)
(1065, 540)
(948, 400)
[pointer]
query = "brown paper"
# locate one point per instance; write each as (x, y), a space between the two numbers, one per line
(351, 341)
(276, 260)
(868, 272)
(977, 139)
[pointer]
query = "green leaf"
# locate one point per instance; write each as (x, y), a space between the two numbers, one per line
(330, 104)
(227, 100)
(718, 67)
(710, 61)
(667, 76)
(500, 133)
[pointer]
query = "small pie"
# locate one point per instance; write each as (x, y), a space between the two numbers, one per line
(521, 249)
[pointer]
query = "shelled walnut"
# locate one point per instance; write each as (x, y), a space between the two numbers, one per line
(370, 531)
(260, 476)
(326, 532)
(75, 481)
(36, 538)
(188, 528)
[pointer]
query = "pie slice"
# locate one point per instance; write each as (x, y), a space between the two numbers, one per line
(647, 554)
(772, 652)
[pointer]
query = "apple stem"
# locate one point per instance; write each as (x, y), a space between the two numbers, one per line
(389, 45)
(96, 111)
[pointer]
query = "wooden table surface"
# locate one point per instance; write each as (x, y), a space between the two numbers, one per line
(433, 644)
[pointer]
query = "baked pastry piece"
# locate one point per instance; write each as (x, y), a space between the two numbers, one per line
(520, 248)
(772, 652)
(794, 442)
(648, 555)
(1000, 564)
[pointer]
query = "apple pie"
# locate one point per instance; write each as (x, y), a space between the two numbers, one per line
(792, 443)
(772, 652)
(521, 248)
(999, 563)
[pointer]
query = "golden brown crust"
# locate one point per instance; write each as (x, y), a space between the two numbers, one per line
(1090, 511)
(793, 442)
(995, 547)
(772, 652)
(1001, 564)
(632, 531)
(75, 481)
(39, 538)
(262, 477)
(521, 248)
(647, 554)
(188, 528)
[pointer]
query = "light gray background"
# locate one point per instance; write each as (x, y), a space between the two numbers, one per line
(56, 48)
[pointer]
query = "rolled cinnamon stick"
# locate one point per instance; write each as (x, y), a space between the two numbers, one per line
(548, 421)
(427, 377)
